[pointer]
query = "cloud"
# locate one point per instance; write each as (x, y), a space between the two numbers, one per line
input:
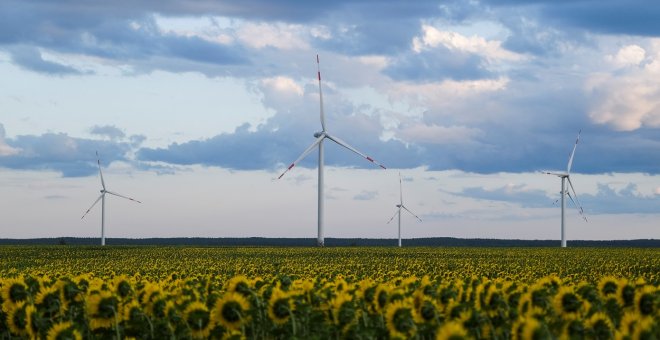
(280, 36)
(438, 64)
(434, 134)
(490, 49)
(624, 201)
(31, 59)
(628, 97)
(512, 193)
(630, 55)
(636, 17)
(72, 157)
(606, 201)
(5, 149)
(109, 131)
(366, 195)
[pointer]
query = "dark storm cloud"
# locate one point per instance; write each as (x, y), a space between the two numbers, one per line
(634, 17)
(72, 157)
(605, 201)
(533, 198)
(109, 131)
(30, 58)
(437, 65)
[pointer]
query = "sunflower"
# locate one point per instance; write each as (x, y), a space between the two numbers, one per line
(198, 319)
(646, 300)
(625, 293)
(628, 322)
(17, 319)
(399, 317)
(279, 306)
(63, 331)
(131, 312)
(13, 291)
(231, 311)
(426, 311)
(644, 329)
(452, 331)
(102, 310)
(239, 284)
(122, 286)
(343, 311)
(566, 302)
(600, 326)
(573, 329)
(381, 296)
(534, 329)
(607, 286)
(49, 299)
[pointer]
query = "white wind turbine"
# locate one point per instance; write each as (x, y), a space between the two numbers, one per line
(102, 199)
(320, 137)
(399, 207)
(566, 176)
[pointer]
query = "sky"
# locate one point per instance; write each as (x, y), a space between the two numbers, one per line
(195, 108)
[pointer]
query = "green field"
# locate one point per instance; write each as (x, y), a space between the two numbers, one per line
(184, 292)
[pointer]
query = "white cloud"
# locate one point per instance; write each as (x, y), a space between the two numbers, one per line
(490, 49)
(438, 94)
(283, 84)
(629, 55)
(281, 36)
(627, 98)
(280, 92)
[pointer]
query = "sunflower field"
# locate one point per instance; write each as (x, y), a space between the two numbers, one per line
(60, 292)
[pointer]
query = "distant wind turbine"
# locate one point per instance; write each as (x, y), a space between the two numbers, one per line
(566, 176)
(102, 199)
(320, 137)
(399, 207)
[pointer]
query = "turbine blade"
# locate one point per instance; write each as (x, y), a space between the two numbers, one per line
(304, 154)
(90, 208)
(122, 196)
(578, 205)
(558, 174)
(98, 161)
(398, 211)
(318, 68)
(570, 159)
(344, 144)
(411, 213)
(400, 189)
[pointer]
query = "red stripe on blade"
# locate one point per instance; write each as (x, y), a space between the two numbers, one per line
(369, 159)
(319, 76)
(291, 166)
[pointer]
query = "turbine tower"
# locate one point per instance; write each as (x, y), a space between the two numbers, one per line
(320, 137)
(566, 177)
(399, 207)
(102, 199)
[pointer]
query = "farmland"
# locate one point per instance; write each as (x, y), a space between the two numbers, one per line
(186, 292)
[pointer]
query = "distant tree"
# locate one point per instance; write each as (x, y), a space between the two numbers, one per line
(62, 241)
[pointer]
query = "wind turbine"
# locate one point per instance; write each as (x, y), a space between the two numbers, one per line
(566, 176)
(399, 207)
(102, 199)
(320, 137)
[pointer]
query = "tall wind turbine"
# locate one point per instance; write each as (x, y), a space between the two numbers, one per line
(102, 199)
(399, 207)
(566, 176)
(320, 137)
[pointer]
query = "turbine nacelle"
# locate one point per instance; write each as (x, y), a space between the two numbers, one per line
(319, 134)
(398, 205)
